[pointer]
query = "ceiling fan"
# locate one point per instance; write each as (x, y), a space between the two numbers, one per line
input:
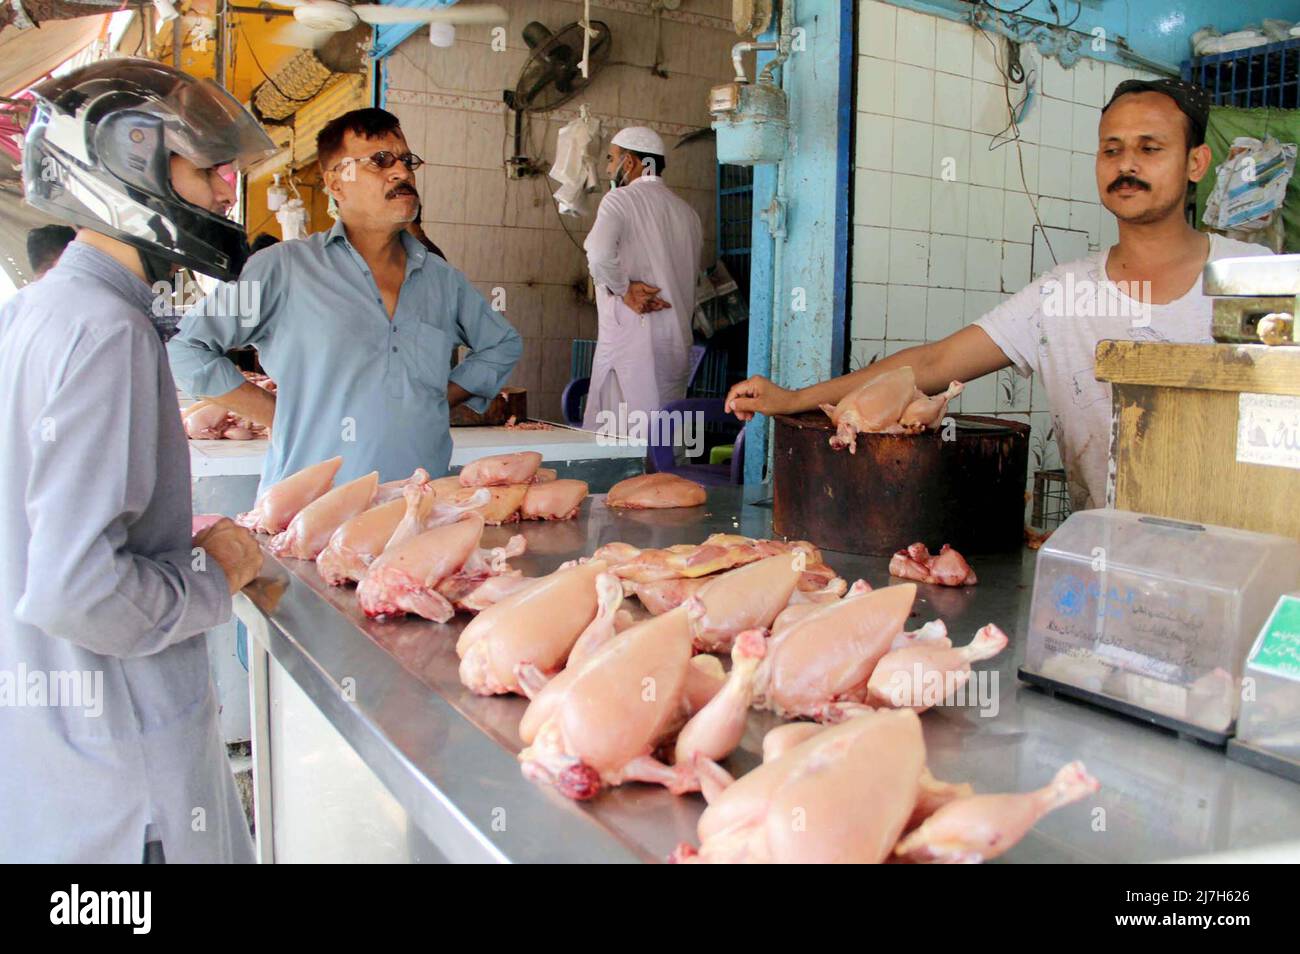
(319, 20)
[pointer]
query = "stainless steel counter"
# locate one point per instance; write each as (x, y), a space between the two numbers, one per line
(390, 690)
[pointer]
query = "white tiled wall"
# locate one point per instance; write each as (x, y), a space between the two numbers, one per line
(507, 234)
(944, 204)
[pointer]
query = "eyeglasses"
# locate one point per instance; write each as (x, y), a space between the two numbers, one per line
(384, 160)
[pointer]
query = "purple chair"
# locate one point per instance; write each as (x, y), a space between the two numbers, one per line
(660, 459)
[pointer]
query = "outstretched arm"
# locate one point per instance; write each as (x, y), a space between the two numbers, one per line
(962, 356)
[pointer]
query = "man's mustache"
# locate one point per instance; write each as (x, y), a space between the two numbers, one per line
(401, 189)
(1128, 180)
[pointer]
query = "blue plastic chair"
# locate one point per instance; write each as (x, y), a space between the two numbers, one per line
(573, 401)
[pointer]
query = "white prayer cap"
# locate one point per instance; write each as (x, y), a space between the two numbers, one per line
(639, 139)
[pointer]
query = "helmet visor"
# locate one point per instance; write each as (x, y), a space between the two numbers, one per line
(201, 120)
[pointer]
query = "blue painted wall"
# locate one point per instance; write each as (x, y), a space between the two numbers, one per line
(798, 318)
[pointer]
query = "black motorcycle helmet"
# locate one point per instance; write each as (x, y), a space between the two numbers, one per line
(97, 154)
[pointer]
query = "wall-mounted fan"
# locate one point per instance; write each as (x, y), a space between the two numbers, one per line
(318, 20)
(553, 75)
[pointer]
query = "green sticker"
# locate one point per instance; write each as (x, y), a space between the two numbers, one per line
(1277, 651)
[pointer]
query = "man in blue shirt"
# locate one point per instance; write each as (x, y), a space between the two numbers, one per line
(356, 325)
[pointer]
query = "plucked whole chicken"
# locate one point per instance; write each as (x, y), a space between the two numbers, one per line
(521, 641)
(860, 792)
(600, 721)
(282, 501)
(889, 403)
(432, 572)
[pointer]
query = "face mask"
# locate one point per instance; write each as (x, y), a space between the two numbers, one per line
(618, 179)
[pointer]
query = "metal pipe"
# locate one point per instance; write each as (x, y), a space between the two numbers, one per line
(740, 49)
(219, 67)
(780, 301)
(784, 42)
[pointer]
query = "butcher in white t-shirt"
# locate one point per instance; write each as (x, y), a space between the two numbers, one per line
(1146, 287)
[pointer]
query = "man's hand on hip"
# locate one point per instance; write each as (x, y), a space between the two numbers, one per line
(643, 298)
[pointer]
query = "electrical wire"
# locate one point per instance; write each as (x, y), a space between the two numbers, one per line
(142, 18)
(1006, 12)
(1077, 13)
(1020, 153)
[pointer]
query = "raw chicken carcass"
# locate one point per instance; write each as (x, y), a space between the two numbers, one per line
(746, 598)
(945, 568)
(797, 610)
(489, 592)
(282, 501)
(404, 579)
(720, 551)
(981, 827)
(928, 672)
(485, 577)
(392, 489)
(545, 474)
(817, 584)
(660, 596)
(842, 795)
(354, 545)
(600, 721)
(534, 627)
(818, 665)
(655, 492)
(875, 407)
(503, 501)
(926, 413)
(310, 530)
(889, 403)
(553, 500)
(501, 469)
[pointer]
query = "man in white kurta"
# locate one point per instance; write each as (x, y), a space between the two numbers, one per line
(643, 254)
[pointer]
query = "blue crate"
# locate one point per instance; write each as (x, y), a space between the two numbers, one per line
(1267, 75)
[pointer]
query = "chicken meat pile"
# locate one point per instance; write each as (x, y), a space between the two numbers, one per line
(621, 657)
(206, 421)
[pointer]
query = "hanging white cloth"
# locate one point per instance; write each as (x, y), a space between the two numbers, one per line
(575, 163)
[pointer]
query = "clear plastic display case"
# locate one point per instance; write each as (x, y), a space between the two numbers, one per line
(1154, 617)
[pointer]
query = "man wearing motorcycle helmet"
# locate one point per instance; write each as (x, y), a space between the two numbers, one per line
(109, 736)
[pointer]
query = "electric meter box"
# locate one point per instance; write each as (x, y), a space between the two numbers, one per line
(750, 120)
(1154, 617)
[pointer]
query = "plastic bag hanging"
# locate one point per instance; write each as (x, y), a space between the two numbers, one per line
(575, 162)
